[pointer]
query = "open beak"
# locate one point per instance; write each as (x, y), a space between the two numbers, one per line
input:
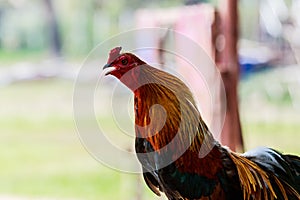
(111, 68)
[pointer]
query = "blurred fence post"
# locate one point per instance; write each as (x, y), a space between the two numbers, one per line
(54, 35)
(227, 61)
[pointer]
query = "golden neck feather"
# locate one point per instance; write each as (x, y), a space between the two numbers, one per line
(165, 107)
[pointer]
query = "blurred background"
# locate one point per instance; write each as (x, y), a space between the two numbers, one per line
(42, 46)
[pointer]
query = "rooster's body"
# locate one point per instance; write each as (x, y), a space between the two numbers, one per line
(179, 155)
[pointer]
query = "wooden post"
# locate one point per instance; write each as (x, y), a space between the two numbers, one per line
(227, 61)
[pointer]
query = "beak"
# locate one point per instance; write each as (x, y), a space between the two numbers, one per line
(111, 68)
(107, 66)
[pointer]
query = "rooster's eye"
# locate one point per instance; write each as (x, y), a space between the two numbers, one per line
(124, 62)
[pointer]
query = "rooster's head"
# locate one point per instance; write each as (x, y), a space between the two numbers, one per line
(121, 63)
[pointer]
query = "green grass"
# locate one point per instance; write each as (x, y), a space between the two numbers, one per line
(41, 154)
(282, 136)
(13, 56)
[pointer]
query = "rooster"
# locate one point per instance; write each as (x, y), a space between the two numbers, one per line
(178, 153)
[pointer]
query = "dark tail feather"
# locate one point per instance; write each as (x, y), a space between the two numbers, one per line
(294, 162)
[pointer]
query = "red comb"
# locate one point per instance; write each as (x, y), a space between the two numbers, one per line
(113, 54)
